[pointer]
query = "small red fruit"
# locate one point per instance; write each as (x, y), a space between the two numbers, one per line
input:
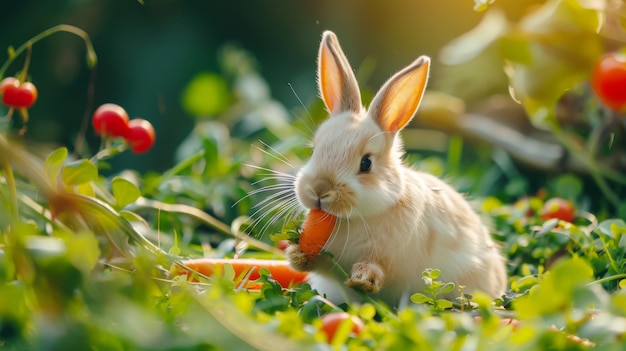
(608, 80)
(110, 120)
(140, 135)
(332, 321)
(282, 244)
(16, 94)
(558, 208)
(8, 81)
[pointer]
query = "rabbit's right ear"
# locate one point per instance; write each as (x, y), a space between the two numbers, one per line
(337, 84)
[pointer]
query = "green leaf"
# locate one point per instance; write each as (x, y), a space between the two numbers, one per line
(443, 304)
(618, 303)
(547, 227)
(431, 273)
(82, 248)
(612, 227)
(571, 272)
(420, 298)
(54, 162)
(124, 191)
(557, 290)
(564, 45)
(175, 249)
(79, 172)
(211, 157)
(7, 267)
(446, 288)
(85, 189)
(206, 95)
(516, 48)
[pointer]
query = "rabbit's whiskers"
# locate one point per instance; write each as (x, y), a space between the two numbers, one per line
(281, 201)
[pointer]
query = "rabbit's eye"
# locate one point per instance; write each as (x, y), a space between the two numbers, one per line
(366, 164)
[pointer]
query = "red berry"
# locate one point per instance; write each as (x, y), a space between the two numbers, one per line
(18, 95)
(608, 81)
(8, 81)
(110, 120)
(282, 244)
(558, 208)
(332, 321)
(140, 135)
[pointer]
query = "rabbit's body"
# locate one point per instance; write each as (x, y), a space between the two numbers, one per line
(392, 222)
(445, 235)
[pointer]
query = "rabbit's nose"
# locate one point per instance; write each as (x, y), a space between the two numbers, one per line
(322, 191)
(322, 188)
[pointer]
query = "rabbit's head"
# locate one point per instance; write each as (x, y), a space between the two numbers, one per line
(355, 169)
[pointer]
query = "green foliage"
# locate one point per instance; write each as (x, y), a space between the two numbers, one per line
(79, 172)
(549, 51)
(86, 260)
(560, 45)
(206, 95)
(124, 191)
(433, 289)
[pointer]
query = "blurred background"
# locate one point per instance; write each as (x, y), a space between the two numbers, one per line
(149, 53)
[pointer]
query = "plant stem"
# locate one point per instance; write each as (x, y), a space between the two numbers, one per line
(12, 191)
(608, 253)
(608, 279)
(24, 73)
(105, 153)
(455, 151)
(92, 59)
(216, 224)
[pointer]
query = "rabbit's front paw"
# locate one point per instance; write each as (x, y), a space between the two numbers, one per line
(298, 259)
(367, 276)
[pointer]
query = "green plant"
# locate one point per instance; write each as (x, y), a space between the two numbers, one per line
(86, 258)
(546, 61)
(433, 289)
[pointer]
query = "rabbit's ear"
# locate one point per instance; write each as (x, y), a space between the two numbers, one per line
(337, 84)
(397, 101)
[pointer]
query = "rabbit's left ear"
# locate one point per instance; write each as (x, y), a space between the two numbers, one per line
(337, 84)
(397, 101)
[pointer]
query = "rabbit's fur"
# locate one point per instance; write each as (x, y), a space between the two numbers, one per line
(393, 222)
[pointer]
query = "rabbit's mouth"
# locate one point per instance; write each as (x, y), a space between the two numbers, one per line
(334, 208)
(338, 200)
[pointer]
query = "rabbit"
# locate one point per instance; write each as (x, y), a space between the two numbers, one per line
(392, 222)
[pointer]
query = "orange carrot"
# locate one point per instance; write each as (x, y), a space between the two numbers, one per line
(279, 269)
(316, 230)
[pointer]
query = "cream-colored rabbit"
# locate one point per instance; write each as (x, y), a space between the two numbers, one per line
(392, 222)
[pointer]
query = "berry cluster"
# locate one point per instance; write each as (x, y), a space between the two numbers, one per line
(111, 121)
(16, 94)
